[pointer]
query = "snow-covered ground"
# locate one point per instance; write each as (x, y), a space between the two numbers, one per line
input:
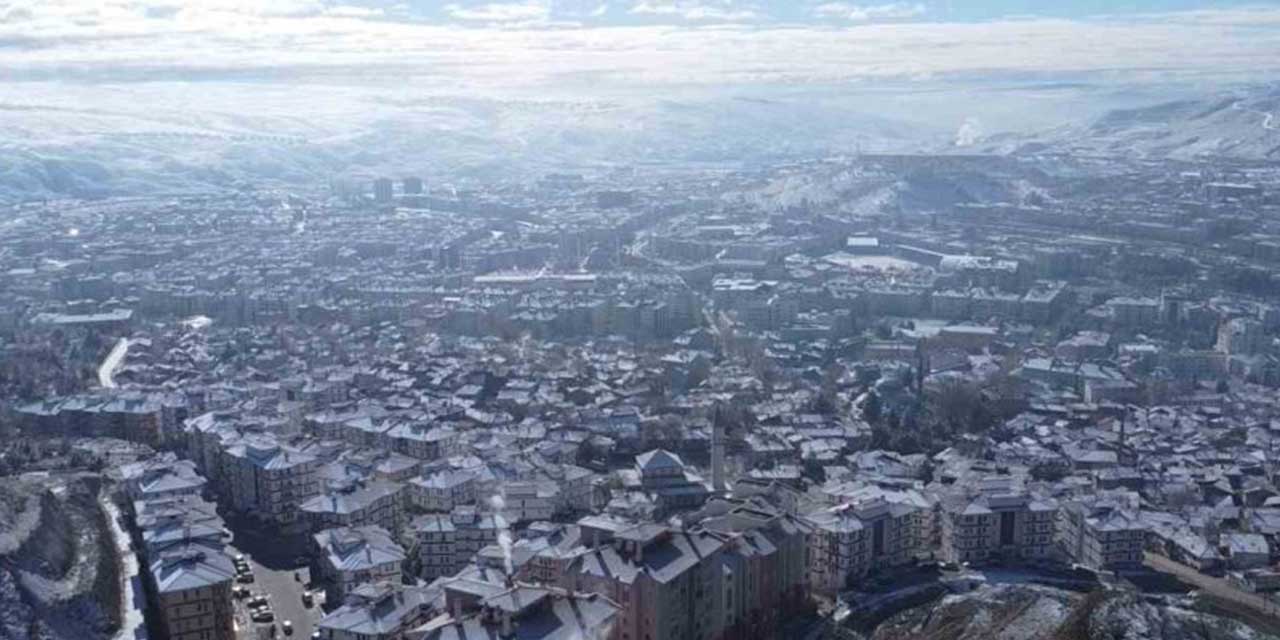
(133, 626)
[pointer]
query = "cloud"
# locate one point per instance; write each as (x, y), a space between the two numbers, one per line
(304, 41)
(355, 12)
(695, 11)
(869, 13)
(532, 11)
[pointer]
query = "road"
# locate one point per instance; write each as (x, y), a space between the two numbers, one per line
(1214, 586)
(107, 372)
(283, 592)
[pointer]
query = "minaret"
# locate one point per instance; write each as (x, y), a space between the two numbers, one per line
(717, 452)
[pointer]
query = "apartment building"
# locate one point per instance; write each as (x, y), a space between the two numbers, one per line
(353, 502)
(162, 477)
(872, 529)
(663, 477)
(1103, 532)
(668, 582)
(997, 520)
(383, 611)
(267, 480)
(530, 612)
(766, 569)
(445, 543)
(441, 491)
(421, 441)
(191, 588)
(347, 557)
(531, 501)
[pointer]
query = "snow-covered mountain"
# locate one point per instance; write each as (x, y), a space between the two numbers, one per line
(115, 148)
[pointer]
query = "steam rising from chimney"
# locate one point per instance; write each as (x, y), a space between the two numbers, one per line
(499, 505)
(968, 133)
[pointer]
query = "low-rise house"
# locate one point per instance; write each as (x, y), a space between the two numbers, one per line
(1246, 550)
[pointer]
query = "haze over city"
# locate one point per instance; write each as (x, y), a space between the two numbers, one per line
(639, 320)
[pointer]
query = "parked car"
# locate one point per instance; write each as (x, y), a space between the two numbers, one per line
(245, 578)
(307, 599)
(262, 615)
(240, 592)
(257, 602)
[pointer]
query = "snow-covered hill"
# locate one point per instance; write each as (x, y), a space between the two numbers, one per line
(1243, 125)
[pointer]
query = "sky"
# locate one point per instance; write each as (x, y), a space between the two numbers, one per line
(175, 91)
(576, 43)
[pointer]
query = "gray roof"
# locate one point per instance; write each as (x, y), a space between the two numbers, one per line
(381, 609)
(546, 615)
(663, 561)
(359, 548)
(349, 497)
(191, 566)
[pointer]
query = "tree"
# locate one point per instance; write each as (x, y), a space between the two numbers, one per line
(587, 453)
(879, 438)
(884, 331)
(871, 407)
(959, 405)
(907, 443)
(1049, 471)
(814, 471)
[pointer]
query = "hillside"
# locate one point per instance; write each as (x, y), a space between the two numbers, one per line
(1243, 126)
(1026, 612)
(58, 574)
